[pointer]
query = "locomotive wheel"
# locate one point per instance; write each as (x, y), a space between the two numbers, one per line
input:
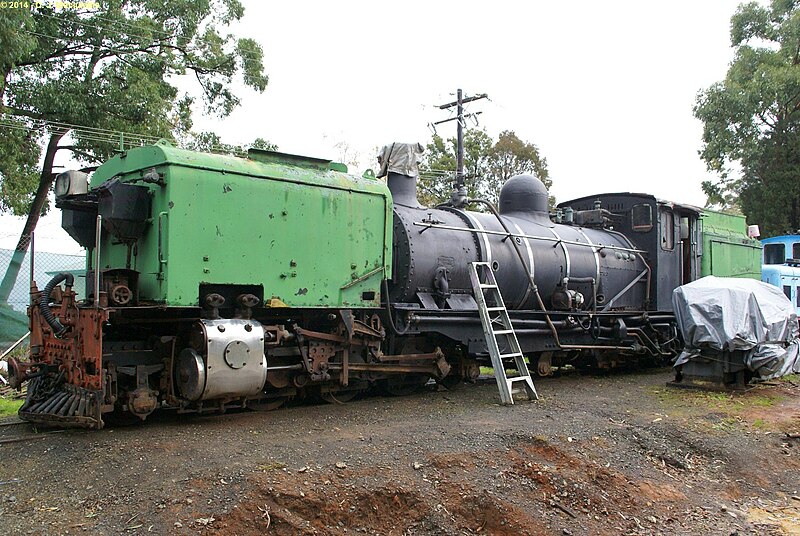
(340, 397)
(338, 394)
(451, 382)
(267, 404)
(411, 383)
(119, 418)
(404, 386)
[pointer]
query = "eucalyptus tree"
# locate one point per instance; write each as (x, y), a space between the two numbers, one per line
(751, 119)
(72, 78)
(487, 164)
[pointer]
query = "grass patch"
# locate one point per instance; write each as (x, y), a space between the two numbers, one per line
(714, 399)
(727, 424)
(489, 371)
(716, 396)
(21, 352)
(759, 424)
(9, 406)
(721, 411)
(761, 401)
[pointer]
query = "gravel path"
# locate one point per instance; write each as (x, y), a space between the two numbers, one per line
(616, 454)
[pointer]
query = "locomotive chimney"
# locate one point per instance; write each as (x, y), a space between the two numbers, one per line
(398, 162)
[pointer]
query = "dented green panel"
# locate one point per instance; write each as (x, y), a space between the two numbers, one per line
(312, 235)
(727, 251)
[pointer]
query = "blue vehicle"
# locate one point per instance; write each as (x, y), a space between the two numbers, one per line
(781, 265)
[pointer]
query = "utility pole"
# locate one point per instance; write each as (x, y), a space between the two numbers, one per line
(459, 191)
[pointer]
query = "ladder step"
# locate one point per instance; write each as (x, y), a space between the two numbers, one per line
(493, 328)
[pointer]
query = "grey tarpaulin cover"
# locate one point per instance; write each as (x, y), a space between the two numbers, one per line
(725, 313)
(400, 158)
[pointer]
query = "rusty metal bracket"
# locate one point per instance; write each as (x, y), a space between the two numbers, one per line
(344, 377)
(304, 345)
(348, 320)
(433, 356)
(301, 345)
(308, 334)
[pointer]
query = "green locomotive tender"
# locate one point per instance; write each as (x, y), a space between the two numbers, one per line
(207, 267)
(299, 229)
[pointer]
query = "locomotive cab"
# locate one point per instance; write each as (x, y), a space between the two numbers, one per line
(668, 233)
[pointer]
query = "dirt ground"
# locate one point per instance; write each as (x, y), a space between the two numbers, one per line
(621, 454)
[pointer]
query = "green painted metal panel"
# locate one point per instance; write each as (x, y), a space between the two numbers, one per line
(311, 235)
(727, 250)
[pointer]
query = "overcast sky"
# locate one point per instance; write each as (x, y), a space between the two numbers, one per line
(604, 89)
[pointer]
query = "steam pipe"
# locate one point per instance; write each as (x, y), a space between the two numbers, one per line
(535, 288)
(44, 306)
(98, 232)
(551, 326)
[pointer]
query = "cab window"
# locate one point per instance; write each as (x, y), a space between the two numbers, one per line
(641, 218)
(667, 230)
(774, 254)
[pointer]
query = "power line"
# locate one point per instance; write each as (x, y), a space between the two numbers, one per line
(438, 172)
(97, 17)
(458, 104)
(89, 135)
(104, 135)
(59, 124)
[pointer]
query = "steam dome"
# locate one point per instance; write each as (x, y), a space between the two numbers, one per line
(523, 193)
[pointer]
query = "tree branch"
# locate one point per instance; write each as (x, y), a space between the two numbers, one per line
(25, 113)
(63, 53)
(72, 148)
(90, 68)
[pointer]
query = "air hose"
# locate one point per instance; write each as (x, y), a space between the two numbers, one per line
(389, 313)
(44, 305)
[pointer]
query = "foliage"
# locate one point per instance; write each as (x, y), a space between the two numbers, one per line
(751, 119)
(9, 406)
(209, 142)
(438, 166)
(19, 164)
(19, 147)
(111, 69)
(487, 165)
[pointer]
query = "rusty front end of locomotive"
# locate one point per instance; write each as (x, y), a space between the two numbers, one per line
(65, 376)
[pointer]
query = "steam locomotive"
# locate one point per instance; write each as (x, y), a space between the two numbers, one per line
(216, 282)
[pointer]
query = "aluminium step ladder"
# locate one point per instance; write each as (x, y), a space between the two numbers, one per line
(490, 301)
